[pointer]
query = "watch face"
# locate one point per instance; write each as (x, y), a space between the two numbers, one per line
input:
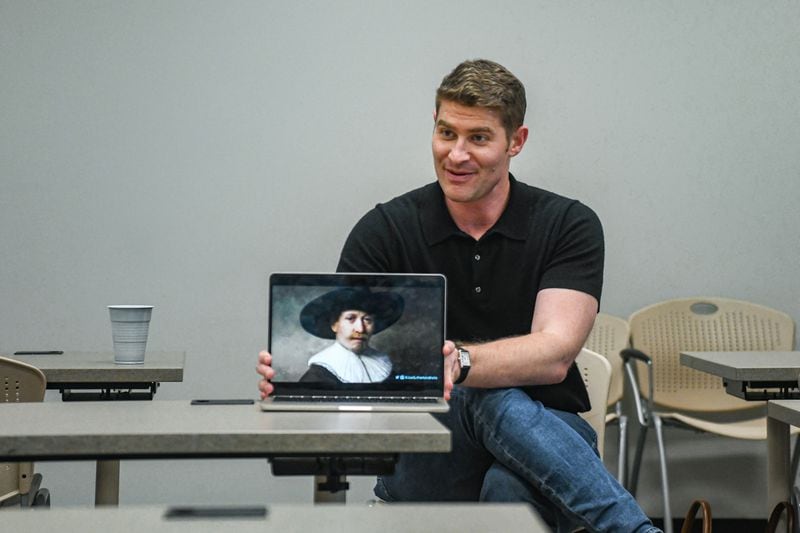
(463, 357)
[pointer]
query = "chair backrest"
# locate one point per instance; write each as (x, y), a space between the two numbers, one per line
(596, 372)
(609, 336)
(665, 329)
(19, 382)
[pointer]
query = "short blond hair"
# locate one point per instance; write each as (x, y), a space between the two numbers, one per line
(484, 83)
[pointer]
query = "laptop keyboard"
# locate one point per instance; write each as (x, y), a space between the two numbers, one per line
(351, 399)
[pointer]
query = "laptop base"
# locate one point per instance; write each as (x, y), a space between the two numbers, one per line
(439, 405)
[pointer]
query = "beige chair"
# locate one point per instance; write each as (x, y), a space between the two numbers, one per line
(609, 336)
(671, 393)
(20, 382)
(596, 372)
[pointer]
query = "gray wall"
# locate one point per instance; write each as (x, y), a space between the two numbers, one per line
(175, 153)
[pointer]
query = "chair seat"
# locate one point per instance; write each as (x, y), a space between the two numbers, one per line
(750, 429)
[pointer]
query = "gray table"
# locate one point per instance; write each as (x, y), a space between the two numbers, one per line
(80, 375)
(176, 429)
(751, 375)
(285, 518)
(755, 375)
(93, 376)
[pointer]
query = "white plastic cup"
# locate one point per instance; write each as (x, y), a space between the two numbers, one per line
(129, 327)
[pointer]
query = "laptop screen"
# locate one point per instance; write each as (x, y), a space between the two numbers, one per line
(370, 333)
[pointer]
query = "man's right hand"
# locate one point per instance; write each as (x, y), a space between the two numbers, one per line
(265, 370)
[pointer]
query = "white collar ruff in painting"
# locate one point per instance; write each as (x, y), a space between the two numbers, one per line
(370, 367)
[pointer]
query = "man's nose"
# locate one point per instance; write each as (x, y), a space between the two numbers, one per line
(359, 326)
(458, 153)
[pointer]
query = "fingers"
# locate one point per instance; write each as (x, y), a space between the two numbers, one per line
(448, 348)
(265, 388)
(447, 390)
(264, 367)
(264, 358)
(265, 370)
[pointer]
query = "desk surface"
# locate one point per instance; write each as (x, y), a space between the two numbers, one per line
(746, 366)
(99, 367)
(286, 518)
(163, 429)
(787, 411)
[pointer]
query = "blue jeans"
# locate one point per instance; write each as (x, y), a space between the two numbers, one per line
(508, 447)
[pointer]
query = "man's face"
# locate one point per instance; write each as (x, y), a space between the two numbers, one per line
(353, 329)
(472, 152)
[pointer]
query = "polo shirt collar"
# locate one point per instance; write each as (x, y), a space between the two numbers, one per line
(438, 225)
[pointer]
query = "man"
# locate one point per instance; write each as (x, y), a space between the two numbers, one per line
(351, 316)
(524, 269)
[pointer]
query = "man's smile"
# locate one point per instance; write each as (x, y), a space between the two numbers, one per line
(459, 174)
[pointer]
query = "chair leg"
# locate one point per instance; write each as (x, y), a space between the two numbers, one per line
(622, 458)
(664, 483)
(42, 498)
(633, 481)
(794, 492)
(795, 461)
(28, 498)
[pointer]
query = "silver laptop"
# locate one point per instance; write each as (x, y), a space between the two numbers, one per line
(357, 342)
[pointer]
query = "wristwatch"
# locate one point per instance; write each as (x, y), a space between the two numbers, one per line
(463, 361)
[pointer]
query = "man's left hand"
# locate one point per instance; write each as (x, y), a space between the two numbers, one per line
(451, 367)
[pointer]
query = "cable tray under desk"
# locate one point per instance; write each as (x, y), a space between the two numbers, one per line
(94, 392)
(763, 390)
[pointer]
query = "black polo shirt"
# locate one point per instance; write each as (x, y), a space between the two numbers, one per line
(542, 240)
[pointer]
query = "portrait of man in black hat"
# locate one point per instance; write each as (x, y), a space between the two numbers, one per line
(350, 316)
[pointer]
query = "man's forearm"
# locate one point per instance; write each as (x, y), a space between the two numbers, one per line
(540, 358)
(562, 320)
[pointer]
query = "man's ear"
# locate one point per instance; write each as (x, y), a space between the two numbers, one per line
(517, 141)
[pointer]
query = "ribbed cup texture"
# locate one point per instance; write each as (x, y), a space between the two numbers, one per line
(129, 328)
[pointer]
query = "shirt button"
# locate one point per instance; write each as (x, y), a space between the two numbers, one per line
(478, 290)
(477, 257)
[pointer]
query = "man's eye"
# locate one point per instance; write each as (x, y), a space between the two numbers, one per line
(480, 138)
(447, 134)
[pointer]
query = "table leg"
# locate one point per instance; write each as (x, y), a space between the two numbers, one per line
(106, 488)
(325, 496)
(778, 484)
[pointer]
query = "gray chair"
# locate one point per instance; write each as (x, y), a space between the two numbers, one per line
(20, 382)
